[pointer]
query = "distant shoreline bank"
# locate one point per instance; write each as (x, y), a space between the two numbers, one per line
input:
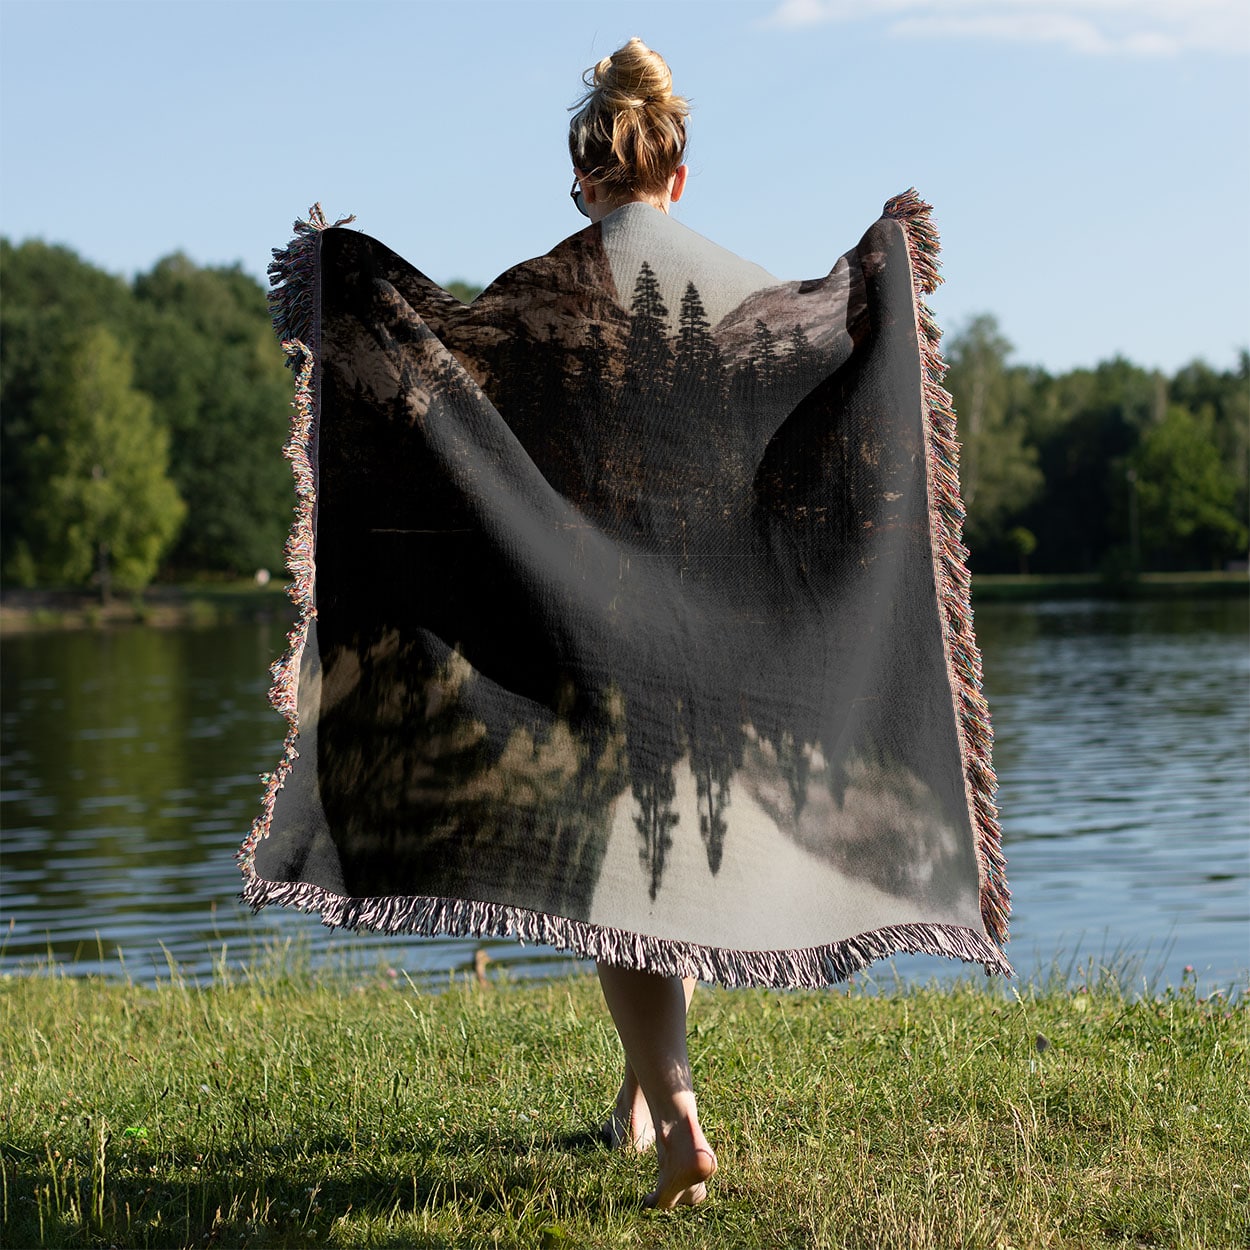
(207, 604)
(162, 607)
(1013, 587)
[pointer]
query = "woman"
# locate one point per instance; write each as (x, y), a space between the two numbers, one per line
(640, 624)
(628, 144)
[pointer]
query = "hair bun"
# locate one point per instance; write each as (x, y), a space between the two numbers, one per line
(630, 129)
(634, 76)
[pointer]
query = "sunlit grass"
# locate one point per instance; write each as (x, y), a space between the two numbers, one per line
(281, 1107)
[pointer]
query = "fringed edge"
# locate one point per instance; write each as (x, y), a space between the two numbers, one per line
(295, 305)
(295, 300)
(808, 968)
(954, 583)
(284, 672)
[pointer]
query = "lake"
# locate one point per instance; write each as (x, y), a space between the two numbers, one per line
(131, 762)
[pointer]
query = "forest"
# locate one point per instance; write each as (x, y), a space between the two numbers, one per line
(142, 422)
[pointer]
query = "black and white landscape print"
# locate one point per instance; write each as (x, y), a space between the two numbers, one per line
(625, 597)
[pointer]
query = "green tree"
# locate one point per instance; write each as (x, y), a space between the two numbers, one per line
(1024, 543)
(1187, 493)
(208, 358)
(1087, 424)
(1223, 398)
(998, 466)
(104, 507)
(465, 292)
(51, 298)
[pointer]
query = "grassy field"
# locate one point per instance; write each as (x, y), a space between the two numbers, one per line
(282, 1108)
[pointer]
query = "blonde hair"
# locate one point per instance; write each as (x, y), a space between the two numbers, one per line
(629, 131)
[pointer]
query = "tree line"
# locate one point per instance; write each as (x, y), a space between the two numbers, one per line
(1114, 470)
(140, 424)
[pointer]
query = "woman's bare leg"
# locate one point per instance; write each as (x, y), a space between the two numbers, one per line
(650, 1015)
(629, 1127)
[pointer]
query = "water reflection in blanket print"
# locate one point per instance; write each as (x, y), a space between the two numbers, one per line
(721, 488)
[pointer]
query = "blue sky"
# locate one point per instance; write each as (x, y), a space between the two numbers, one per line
(1088, 160)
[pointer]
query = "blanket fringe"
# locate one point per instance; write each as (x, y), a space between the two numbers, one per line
(295, 300)
(294, 304)
(808, 968)
(954, 583)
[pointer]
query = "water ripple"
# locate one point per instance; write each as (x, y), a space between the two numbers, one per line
(132, 758)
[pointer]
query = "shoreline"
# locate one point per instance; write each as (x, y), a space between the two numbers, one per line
(207, 604)
(1037, 587)
(171, 606)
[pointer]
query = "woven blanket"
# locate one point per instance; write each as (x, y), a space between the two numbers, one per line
(634, 618)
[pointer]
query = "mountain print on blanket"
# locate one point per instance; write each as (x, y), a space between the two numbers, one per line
(625, 600)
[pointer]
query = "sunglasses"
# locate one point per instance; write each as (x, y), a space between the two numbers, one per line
(576, 196)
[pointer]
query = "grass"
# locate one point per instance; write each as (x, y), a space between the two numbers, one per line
(279, 1107)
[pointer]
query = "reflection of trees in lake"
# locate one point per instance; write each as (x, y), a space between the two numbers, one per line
(654, 822)
(117, 696)
(146, 745)
(795, 762)
(655, 741)
(460, 787)
(715, 755)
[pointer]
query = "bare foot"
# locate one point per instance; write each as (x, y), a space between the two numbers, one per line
(629, 1126)
(686, 1165)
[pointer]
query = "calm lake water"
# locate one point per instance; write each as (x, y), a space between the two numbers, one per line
(131, 757)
